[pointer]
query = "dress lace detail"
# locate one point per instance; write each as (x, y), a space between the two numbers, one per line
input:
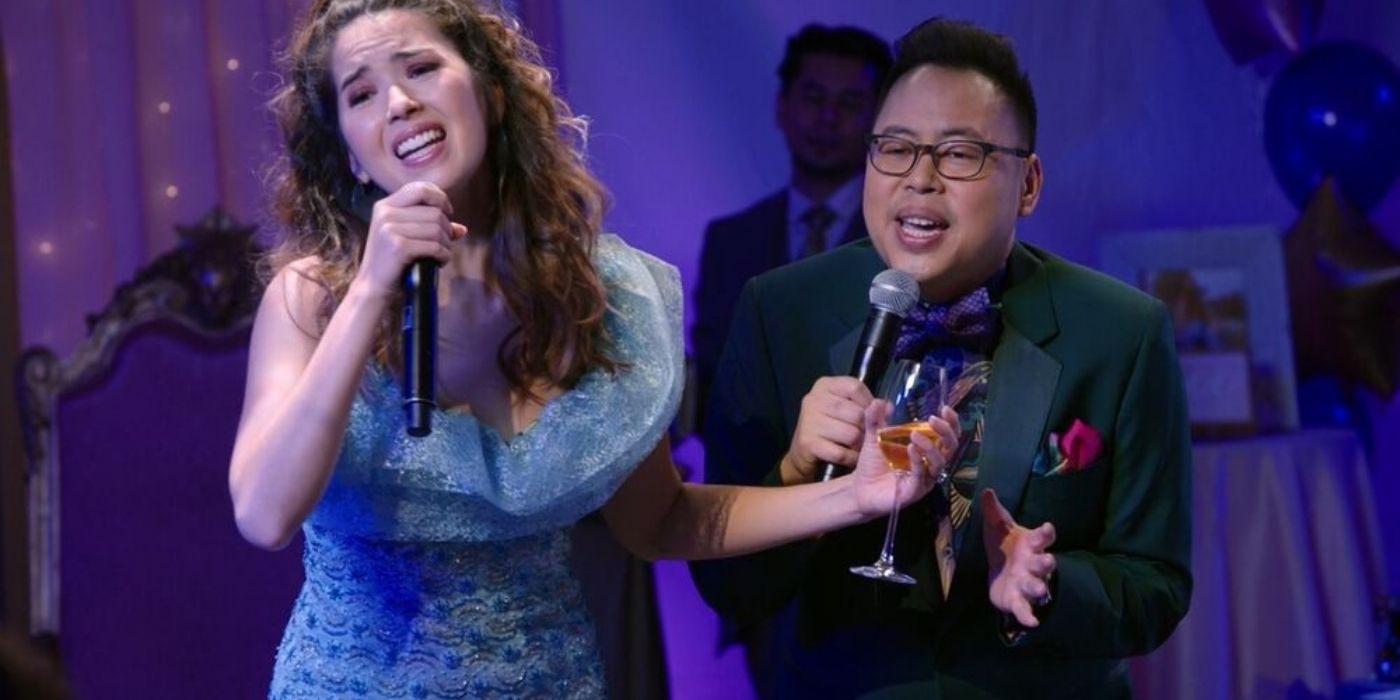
(379, 619)
(438, 566)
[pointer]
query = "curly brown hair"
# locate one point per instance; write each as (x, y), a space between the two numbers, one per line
(548, 211)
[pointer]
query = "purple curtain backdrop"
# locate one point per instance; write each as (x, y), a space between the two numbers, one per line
(128, 118)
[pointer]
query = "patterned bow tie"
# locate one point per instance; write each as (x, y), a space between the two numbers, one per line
(970, 322)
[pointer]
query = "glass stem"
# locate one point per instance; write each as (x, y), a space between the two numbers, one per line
(887, 553)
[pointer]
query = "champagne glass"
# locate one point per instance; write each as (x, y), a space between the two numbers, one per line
(915, 391)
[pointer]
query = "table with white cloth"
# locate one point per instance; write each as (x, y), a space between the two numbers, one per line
(1287, 561)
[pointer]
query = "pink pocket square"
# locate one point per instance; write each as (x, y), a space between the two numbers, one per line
(1077, 448)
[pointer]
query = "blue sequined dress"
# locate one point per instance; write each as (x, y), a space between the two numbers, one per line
(438, 567)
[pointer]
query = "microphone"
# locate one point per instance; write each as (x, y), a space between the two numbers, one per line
(892, 295)
(420, 345)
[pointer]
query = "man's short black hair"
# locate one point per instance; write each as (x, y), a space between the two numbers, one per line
(847, 42)
(963, 46)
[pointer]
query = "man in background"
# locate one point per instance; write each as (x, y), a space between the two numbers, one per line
(825, 104)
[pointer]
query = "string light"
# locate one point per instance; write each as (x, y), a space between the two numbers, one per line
(163, 107)
(45, 248)
(172, 191)
(232, 64)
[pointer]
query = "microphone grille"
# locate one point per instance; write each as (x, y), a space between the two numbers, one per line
(894, 291)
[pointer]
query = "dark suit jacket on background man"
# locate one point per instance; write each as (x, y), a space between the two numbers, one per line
(736, 248)
(827, 80)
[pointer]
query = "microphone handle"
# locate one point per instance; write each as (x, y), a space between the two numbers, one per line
(420, 345)
(872, 359)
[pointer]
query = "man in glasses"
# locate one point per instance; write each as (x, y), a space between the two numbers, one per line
(1061, 544)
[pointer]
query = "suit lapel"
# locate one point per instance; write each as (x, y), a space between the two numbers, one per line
(844, 351)
(1022, 388)
(851, 313)
(767, 223)
(775, 216)
(1023, 381)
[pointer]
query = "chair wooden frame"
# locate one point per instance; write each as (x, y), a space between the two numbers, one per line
(208, 285)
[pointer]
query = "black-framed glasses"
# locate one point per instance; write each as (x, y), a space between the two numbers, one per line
(956, 160)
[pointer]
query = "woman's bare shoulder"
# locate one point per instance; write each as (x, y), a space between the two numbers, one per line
(298, 292)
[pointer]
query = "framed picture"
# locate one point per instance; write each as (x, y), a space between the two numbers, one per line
(1225, 289)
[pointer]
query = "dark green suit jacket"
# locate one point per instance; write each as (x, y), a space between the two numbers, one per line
(1075, 345)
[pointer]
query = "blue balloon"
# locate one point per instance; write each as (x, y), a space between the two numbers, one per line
(1335, 110)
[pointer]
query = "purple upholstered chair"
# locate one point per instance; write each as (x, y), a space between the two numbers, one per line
(137, 570)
